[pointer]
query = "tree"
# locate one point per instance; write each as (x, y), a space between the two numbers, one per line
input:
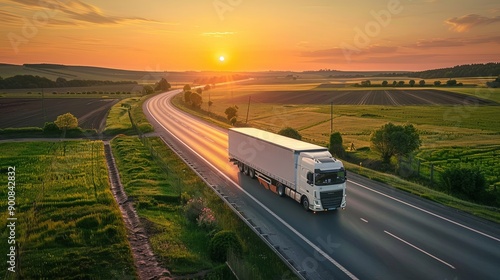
(412, 83)
(494, 84)
(187, 87)
(66, 121)
(384, 83)
(231, 112)
(366, 83)
(336, 146)
(451, 82)
(199, 91)
(401, 83)
(437, 83)
(207, 87)
(290, 132)
(421, 83)
(163, 85)
(147, 89)
(394, 83)
(392, 140)
(196, 100)
(187, 96)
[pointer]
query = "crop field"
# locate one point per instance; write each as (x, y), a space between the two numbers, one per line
(449, 117)
(68, 224)
(91, 113)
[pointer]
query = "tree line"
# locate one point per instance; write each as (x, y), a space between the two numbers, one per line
(466, 70)
(411, 83)
(30, 81)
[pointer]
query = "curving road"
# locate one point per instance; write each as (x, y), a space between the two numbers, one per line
(383, 233)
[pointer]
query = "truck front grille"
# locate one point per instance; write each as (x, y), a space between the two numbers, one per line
(331, 199)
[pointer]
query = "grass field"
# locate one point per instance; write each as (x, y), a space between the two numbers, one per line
(181, 245)
(68, 224)
(118, 120)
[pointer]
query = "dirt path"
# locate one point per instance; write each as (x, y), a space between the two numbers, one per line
(145, 262)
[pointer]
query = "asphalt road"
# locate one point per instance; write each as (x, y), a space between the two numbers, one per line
(383, 233)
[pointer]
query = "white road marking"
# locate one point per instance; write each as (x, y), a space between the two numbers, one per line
(415, 247)
(364, 220)
(325, 255)
(427, 211)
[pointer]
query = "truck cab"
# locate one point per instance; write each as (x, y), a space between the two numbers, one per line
(322, 181)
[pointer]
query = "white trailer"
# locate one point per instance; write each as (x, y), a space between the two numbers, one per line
(305, 172)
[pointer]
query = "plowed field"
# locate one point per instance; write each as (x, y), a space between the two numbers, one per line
(369, 97)
(91, 113)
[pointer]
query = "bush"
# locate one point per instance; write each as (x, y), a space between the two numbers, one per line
(464, 182)
(223, 242)
(206, 219)
(193, 208)
(50, 127)
(290, 132)
(336, 145)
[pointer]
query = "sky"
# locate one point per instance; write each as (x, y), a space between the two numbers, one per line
(251, 35)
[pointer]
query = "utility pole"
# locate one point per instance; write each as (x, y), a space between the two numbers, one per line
(248, 108)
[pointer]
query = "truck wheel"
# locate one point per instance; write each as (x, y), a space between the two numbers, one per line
(251, 173)
(240, 166)
(281, 190)
(245, 169)
(305, 203)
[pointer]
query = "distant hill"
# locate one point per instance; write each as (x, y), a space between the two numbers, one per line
(466, 70)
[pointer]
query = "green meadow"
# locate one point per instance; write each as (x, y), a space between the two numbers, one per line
(68, 223)
(160, 184)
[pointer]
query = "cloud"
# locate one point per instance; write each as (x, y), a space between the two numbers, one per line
(76, 10)
(334, 52)
(454, 42)
(464, 23)
(218, 34)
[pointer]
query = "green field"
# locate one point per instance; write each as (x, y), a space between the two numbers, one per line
(156, 183)
(68, 224)
(459, 134)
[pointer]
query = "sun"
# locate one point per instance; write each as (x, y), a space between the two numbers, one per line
(222, 58)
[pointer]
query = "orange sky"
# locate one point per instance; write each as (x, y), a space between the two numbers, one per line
(252, 35)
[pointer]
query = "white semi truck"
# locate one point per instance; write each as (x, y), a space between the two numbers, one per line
(305, 172)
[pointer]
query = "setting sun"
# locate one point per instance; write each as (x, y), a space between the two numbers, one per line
(221, 58)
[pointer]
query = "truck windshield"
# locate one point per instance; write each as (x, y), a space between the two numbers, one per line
(329, 178)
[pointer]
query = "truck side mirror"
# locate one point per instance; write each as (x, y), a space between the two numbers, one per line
(309, 178)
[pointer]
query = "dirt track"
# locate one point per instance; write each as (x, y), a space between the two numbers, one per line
(91, 112)
(369, 97)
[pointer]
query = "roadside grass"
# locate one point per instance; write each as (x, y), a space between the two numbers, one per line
(68, 224)
(180, 244)
(118, 120)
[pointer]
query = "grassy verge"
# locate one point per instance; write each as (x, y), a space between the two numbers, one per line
(118, 120)
(181, 244)
(68, 224)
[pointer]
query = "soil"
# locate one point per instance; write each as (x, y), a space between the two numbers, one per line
(24, 112)
(147, 266)
(367, 97)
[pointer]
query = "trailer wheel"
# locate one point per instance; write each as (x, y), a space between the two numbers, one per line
(251, 172)
(281, 190)
(240, 166)
(245, 169)
(305, 203)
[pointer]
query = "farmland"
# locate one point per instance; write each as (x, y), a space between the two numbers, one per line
(91, 112)
(459, 120)
(68, 224)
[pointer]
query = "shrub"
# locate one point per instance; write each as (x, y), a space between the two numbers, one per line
(185, 197)
(193, 208)
(464, 182)
(290, 132)
(223, 242)
(336, 145)
(50, 127)
(206, 219)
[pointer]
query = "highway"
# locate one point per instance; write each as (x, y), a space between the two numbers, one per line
(382, 234)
